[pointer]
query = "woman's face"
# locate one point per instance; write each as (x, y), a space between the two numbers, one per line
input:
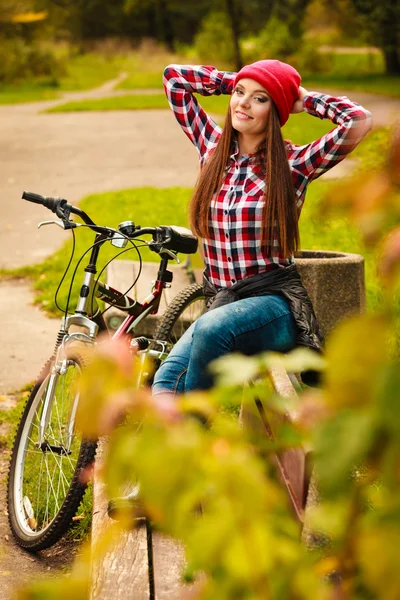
(250, 106)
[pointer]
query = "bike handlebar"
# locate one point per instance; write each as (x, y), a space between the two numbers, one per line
(59, 206)
(176, 239)
(63, 209)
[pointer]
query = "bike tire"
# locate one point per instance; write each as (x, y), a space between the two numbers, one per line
(44, 482)
(185, 308)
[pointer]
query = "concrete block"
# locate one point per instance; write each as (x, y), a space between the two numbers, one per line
(335, 282)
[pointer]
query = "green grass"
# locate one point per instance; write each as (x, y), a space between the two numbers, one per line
(88, 71)
(383, 85)
(354, 63)
(12, 416)
(137, 81)
(84, 72)
(27, 92)
(128, 102)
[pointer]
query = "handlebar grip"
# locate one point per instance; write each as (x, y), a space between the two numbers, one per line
(50, 203)
(31, 197)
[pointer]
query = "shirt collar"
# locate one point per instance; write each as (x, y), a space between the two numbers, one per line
(250, 157)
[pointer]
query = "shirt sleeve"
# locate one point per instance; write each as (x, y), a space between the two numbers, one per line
(181, 82)
(353, 123)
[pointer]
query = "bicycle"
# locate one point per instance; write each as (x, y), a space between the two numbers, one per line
(48, 455)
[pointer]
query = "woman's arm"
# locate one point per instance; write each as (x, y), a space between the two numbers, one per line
(353, 121)
(181, 82)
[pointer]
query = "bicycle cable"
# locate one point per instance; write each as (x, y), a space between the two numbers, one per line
(122, 294)
(98, 243)
(65, 272)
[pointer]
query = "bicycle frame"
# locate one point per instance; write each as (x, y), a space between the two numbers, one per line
(93, 323)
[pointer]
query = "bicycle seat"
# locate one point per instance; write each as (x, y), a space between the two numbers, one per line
(177, 239)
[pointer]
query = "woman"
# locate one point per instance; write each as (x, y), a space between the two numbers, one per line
(246, 206)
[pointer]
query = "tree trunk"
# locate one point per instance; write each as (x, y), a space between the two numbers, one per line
(233, 17)
(392, 62)
(390, 41)
(166, 25)
(384, 23)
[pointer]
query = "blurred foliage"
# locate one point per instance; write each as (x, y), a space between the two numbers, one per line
(215, 39)
(228, 33)
(214, 486)
(20, 60)
(383, 22)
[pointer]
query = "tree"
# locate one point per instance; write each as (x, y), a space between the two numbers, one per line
(169, 21)
(232, 11)
(383, 21)
(292, 14)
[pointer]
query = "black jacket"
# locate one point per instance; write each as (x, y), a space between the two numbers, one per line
(282, 281)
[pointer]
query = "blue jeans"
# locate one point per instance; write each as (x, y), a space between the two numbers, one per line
(248, 326)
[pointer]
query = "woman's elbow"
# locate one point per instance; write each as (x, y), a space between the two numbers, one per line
(362, 124)
(369, 121)
(166, 71)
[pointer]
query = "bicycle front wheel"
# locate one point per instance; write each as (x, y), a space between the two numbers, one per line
(44, 483)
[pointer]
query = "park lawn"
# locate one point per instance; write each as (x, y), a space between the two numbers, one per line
(154, 206)
(384, 85)
(88, 71)
(83, 72)
(128, 102)
(137, 81)
(27, 92)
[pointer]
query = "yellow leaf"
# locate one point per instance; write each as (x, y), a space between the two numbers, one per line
(355, 352)
(29, 17)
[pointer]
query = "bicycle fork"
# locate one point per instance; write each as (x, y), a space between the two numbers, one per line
(59, 369)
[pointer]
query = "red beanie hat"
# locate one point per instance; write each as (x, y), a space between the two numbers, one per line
(279, 79)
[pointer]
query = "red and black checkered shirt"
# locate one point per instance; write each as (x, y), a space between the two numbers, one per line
(233, 250)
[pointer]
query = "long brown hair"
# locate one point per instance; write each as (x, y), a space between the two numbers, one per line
(280, 201)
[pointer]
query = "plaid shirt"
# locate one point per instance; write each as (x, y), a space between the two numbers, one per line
(233, 250)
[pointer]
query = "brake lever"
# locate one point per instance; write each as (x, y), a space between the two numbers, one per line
(170, 254)
(64, 225)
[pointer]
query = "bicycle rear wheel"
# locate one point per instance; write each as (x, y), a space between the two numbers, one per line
(44, 483)
(184, 309)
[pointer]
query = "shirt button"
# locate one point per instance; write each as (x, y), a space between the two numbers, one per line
(227, 236)
(225, 212)
(233, 280)
(229, 259)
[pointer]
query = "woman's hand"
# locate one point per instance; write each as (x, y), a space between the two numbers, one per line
(298, 105)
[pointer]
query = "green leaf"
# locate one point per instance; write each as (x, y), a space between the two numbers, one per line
(340, 445)
(355, 353)
(234, 369)
(298, 360)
